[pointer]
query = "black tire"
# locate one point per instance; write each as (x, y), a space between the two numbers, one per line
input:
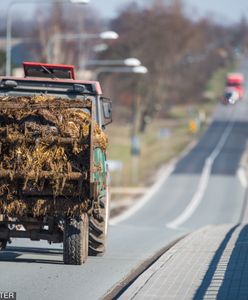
(76, 233)
(98, 228)
(3, 242)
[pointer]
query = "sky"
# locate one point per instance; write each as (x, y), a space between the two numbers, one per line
(224, 10)
(232, 10)
(229, 10)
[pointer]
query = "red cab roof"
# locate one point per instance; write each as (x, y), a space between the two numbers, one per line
(38, 69)
(235, 77)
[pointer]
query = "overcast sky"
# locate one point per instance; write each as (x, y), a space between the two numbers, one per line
(225, 10)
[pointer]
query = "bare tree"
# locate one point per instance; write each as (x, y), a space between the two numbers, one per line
(62, 19)
(181, 54)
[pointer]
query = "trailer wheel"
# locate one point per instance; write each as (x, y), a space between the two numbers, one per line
(98, 228)
(3, 242)
(76, 233)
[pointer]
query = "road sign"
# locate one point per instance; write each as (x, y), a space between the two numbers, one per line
(193, 126)
(135, 146)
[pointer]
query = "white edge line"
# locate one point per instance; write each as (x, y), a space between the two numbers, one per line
(242, 177)
(143, 200)
(163, 174)
(195, 201)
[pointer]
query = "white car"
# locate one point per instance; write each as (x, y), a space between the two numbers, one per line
(231, 96)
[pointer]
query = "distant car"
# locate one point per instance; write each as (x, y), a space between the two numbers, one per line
(231, 96)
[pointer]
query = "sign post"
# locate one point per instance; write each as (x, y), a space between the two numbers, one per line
(135, 154)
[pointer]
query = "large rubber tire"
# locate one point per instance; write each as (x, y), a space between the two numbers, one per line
(76, 233)
(3, 243)
(98, 228)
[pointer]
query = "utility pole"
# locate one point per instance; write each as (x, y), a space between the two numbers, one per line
(135, 139)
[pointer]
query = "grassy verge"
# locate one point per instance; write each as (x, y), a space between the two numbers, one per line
(215, 86)
(164, 138)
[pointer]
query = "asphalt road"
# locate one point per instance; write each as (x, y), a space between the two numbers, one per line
(206, 186)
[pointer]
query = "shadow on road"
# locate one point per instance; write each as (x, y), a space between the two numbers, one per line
(200, 293)
(31, 255)
(234, 284)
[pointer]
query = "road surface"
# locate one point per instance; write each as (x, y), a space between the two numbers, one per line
(207, 186)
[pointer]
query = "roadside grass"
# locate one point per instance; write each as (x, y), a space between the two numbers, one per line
(163, 139)
(216, 85)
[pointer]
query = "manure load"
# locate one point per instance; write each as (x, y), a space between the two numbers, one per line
(53, 160)
(45, 152)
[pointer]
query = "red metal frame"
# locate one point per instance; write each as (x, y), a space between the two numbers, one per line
(39, 79)
(96, 83)
(70, 68)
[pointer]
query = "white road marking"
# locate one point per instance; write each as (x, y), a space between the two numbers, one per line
(195, 201)
(242, 177)
(163, 175)
(133, 209)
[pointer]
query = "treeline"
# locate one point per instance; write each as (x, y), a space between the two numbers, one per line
(49, 21)
(180, 53)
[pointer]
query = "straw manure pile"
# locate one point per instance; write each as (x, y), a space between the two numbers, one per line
(40, 150)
